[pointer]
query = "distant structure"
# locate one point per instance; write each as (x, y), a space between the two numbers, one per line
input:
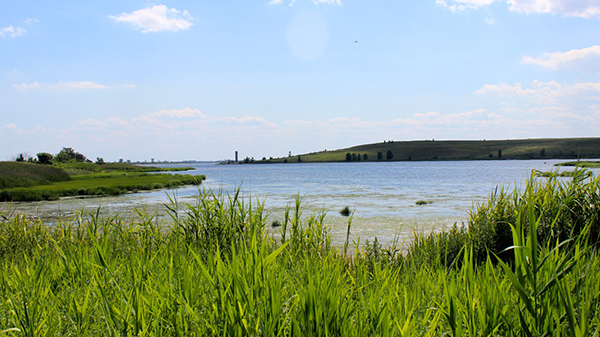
(236, 156)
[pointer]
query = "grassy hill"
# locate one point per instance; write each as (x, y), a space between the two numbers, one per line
(565, 148)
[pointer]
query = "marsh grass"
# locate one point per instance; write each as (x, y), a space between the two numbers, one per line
(13, 174)
(211, 269)
(98, 185)
(35, 182)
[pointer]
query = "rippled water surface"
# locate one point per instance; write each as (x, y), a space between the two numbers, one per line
(383, 195)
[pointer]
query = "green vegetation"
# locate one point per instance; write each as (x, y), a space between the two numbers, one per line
(20, 174)
(21, 181)
(213, 270)
(583, 164)
(567, 148)
(345, 211)
(563, 174)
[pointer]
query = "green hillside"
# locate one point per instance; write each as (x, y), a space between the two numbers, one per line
(565, 148)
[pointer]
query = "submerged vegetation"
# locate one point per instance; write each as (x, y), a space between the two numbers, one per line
(582, 164)
(527, 265)
(23, 181)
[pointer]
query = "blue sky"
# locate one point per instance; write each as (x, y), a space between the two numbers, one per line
(177, 80)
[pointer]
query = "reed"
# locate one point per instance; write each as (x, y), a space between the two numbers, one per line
(212, 269)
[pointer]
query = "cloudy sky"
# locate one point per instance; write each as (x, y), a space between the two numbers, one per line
(177, 80)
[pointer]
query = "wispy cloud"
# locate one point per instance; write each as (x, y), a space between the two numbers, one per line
(586, 59)
(25, 86)
(189, 133)
(11, 31)
(573, 106)
(462, 5)
(546, 92)
(156, 19)
(83, 85)
(577, 8)
(328, 2)
(572, 8)
(316, 2)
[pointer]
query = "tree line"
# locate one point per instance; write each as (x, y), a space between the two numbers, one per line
(389, 155)
(66, 155)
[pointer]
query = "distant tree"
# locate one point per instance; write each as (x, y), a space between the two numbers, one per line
(379, 155)
(67, 154)
(348, 156)
(365, 157)
(358, 157)
(121, 161)
(45, 158)
(20, 158)
(100, 161)
(264, 158)
(389, 155)
(491, 155)
(354, 157)
(543, 153)
(409, 157)
(299, 159)
(499, 153)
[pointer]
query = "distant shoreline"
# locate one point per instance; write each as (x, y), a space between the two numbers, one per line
(450, 150)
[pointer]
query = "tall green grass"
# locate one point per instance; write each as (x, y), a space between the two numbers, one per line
(212, 269)
(563, 207)
(13, 174)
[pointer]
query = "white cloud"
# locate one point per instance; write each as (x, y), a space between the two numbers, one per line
(579, 8)
(188, 133)
(328, 2)
(30, 20)
(462, 5)
(10, 126)
(182, 113)
(76, 85)
(546, 92)
(25, 86)
(587, 59)
(157, 18)
(82, 85)
(573, 8)
(12, 31)
(316, 2)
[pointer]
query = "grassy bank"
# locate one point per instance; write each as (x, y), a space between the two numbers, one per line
(212, 270)
(35, 182)
(567, 148)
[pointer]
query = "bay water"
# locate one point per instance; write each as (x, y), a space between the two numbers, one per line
(383, 195)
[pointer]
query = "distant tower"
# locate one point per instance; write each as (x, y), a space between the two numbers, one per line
(236, 156)
(290, 154)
